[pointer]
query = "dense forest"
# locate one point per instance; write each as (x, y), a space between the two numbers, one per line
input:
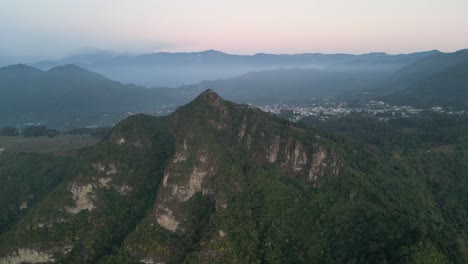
(192, 187)
(26, 179)
(418, 168)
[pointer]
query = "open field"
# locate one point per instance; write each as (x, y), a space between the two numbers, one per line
(45, 144)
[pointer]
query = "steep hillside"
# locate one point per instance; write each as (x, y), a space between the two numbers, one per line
(217, 182)
(24, 180)
(423, 69)
(65, 94)
(192, 191)
(448, 87)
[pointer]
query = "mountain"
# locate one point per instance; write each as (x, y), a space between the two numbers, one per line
(67, 93)
(217, 182)
(448, 87)
(25, 179)
(434, 67)
(70, 96)
(423, 69)
(285, 85)
(379, 62)
(164, 69)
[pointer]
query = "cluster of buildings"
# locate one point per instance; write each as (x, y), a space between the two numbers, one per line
(324, 109)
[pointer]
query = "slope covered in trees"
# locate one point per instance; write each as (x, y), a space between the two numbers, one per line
(217, 182)
(448, 88)
(68, 94)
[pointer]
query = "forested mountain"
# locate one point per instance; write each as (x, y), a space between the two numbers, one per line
(448, 87)
(66, 93)
(217, 182)
(24, 180)
(422, 70)
(430, 65)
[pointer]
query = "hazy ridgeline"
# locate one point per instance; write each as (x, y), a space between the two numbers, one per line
(73, 96)
(174, 69)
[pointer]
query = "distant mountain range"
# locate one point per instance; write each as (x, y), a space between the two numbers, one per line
(164, 69)
(286, 85)
(70, 96)
(448, 87)
(424, 68)
(440, 79)
(67, 94)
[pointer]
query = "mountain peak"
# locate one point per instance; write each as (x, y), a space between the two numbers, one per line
(66, 68)
(76, 71)
(213, 52)
(209, 92)
(211, 97)
(206, 101)
(20, 68)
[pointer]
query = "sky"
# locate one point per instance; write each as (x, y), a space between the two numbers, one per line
(40, 29)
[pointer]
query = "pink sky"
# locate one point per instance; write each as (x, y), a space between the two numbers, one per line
(58, 27)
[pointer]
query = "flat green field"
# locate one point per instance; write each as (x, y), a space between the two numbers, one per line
(45, 144)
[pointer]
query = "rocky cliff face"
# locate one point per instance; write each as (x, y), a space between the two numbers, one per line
(166, 190)
(212, 150)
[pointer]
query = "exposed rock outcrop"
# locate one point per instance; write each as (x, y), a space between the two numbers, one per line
(82, 196)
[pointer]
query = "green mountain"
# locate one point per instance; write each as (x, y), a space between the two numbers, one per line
(448, 87)
(423, 69)
(217, 182)
(68, 93)
(24, 180)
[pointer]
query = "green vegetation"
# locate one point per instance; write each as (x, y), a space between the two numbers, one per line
(426, 67)
(436, 80)
(24, 180)
(38, 131)
(447, 88)
(409, 178)
(69, 96)
(118, 207)
(221, 183)
(44, 144)
(99, 132)
(9, 131)
(426, 131)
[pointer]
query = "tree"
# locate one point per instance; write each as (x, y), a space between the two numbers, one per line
(9, 131)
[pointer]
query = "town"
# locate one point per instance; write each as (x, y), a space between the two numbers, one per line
(330, 107)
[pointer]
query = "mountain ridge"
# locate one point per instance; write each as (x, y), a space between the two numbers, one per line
(63, 94)
(447, 88)
(201, 173)
(166, 69)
